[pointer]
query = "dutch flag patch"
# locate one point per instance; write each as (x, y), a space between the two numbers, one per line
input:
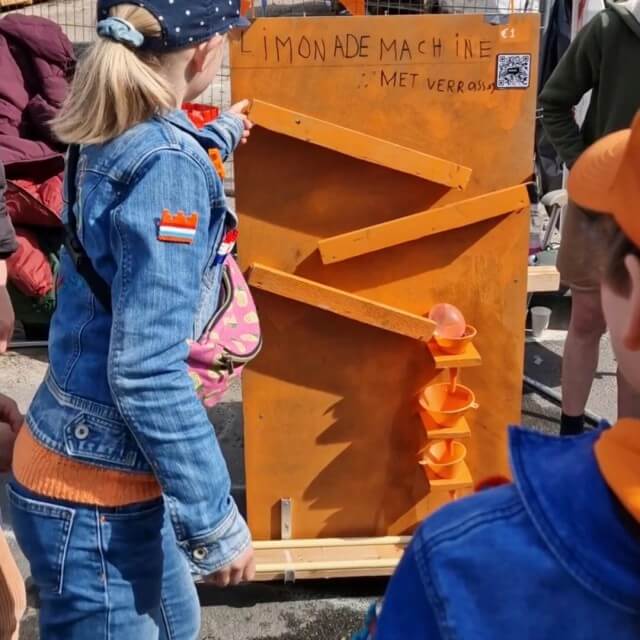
(180, 228)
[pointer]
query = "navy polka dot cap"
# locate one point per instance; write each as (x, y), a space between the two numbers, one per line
(184, 23)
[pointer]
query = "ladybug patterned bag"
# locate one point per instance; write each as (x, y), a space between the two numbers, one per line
(231, 339)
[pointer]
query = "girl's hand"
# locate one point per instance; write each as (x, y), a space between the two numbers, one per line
(7, 317)
(242, 569)
(10, 414)
(10, 422)
(240, 110)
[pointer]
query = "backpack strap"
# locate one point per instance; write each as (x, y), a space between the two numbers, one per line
(99, 287)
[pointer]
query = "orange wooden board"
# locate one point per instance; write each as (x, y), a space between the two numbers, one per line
(359, 145)
(425, 223)
(434, 431)
(468, 357)
(461, 480)
(341, 303)
(330, 404)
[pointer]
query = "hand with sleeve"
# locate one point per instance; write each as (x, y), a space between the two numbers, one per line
(230, 129)
(240, 110)
(10, 422)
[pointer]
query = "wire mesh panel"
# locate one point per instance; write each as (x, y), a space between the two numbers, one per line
(76, 17)
(279, 8)
(297, 8)
(391, 7)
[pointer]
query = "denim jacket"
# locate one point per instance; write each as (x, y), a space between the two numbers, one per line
(553, 555)
(118, 394)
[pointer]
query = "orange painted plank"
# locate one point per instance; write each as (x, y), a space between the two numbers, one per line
(341, 303)
(422, 224)
(359, 145)
(468, 358)
(462, 480)
(459, 430)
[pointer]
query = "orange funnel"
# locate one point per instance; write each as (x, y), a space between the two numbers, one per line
(456, 345)
(444, 458)
(445, 405)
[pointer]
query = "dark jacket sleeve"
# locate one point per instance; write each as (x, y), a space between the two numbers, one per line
(577, 72)
(8, 242)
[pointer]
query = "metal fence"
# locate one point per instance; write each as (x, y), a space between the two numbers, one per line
(76, 17)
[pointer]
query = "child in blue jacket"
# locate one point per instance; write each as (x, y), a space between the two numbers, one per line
(556, 554)
(121, 493)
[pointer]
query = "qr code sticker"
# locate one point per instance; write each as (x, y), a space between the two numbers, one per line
(514, 71)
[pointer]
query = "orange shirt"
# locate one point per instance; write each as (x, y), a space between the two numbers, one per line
(50, 474)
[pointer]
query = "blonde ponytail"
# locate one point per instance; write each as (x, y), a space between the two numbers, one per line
(115, 87)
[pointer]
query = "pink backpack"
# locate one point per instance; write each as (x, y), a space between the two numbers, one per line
(231, 339)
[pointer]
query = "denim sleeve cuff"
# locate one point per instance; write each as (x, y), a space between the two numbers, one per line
(229, 128)
(220, 547)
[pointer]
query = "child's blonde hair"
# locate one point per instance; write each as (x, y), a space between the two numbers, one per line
(115, 87)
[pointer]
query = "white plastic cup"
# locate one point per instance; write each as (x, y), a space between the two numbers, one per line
(540, 318)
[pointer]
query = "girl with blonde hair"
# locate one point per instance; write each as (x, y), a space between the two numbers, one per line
(121, 493)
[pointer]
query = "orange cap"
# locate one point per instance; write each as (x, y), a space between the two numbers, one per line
(606, 179)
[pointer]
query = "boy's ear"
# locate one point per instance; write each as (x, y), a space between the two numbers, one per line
(632, 332)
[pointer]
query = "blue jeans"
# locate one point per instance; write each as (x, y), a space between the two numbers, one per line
(105, 573)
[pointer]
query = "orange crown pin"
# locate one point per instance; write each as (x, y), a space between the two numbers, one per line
(180, 219)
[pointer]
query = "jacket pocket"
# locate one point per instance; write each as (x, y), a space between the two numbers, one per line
(42, 530)
(93, 439)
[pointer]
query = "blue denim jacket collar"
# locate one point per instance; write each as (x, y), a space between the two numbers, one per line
(577, 515)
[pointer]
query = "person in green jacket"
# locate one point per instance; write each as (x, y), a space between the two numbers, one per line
(604, 58)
